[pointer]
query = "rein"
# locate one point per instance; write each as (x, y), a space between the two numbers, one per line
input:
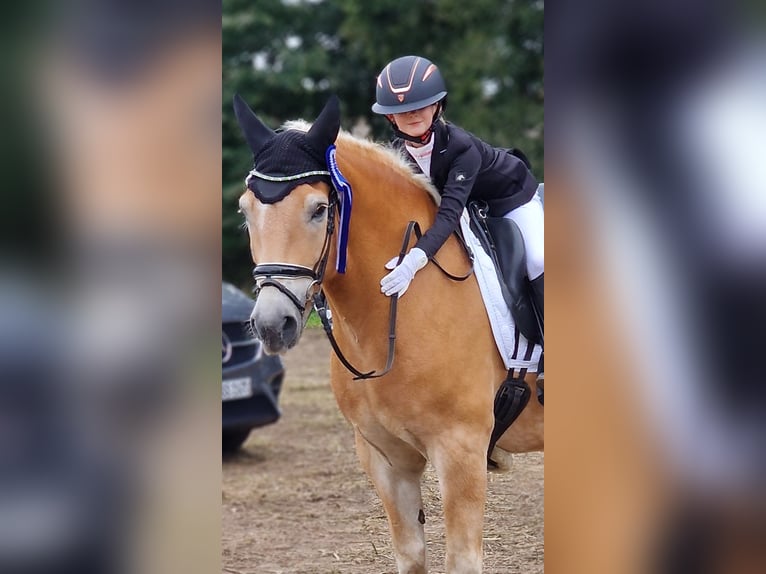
(325, 315)
(267, 275)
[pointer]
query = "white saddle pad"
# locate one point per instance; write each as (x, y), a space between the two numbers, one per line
(516, 350)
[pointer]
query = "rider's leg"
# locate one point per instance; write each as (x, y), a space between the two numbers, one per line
(538, 294)
(530, 219)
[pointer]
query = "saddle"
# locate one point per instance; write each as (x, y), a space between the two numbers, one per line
(502, 241)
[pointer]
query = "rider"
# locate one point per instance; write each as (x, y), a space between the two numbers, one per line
(411, 93)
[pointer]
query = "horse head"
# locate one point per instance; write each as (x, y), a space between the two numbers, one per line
(288, 210)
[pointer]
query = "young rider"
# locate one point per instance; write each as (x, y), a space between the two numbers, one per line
(411, 93)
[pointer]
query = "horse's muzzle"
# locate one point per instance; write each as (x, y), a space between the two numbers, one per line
(276, 322)
(277, 338)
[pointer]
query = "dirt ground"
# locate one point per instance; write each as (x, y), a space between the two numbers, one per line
(295, 499)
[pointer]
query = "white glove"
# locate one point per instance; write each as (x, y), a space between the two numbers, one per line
(399, 279)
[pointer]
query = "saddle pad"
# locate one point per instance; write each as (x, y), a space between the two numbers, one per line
(517, 352)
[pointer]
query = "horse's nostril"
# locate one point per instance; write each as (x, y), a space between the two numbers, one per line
(289, 328)
(254, 328)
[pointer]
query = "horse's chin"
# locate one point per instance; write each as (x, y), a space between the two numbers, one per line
(279, 347)
(271, 351)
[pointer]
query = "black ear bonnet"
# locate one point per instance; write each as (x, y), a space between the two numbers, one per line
(287, 155)
(287, 159)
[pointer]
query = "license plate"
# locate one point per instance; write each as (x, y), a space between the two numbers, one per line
(237, 389)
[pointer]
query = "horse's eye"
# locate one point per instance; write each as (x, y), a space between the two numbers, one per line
(319, 212)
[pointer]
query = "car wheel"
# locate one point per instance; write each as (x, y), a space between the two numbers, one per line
(233, 439)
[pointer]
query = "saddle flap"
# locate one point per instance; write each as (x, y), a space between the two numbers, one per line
(503, 242)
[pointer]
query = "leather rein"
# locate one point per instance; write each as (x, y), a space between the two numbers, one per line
(267, 275)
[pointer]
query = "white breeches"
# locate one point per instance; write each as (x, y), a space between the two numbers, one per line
(530, 218)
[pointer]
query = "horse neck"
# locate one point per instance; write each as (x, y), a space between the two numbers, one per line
(384, 200)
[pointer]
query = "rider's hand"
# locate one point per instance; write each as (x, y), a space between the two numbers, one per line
(399, 279)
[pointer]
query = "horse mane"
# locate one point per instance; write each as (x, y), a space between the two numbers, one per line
(384, 154)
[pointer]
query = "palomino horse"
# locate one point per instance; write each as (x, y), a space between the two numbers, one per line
(436, 402)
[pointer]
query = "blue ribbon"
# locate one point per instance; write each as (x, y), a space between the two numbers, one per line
(343, 187)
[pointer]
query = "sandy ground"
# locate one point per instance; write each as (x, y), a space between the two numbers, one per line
(295, 500)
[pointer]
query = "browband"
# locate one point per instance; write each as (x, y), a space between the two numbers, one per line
(259, 175)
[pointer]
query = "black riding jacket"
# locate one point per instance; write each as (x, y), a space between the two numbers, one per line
(463, 169)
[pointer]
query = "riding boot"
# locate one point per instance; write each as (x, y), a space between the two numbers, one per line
(537, 289)
(538, 297)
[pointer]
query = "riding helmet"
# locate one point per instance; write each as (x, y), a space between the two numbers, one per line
(408, 83)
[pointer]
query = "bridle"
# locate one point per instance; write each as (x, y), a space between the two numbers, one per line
(269, 274)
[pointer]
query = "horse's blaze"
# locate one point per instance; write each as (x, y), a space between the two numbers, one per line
(275, 238)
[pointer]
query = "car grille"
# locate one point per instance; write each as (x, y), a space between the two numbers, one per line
(243, 348)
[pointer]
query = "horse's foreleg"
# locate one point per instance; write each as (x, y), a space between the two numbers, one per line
(397, 481)
(462, 473)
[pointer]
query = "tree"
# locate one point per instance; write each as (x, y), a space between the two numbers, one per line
(286, 57)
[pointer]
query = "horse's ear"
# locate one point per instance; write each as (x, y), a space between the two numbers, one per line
(254, 130)
(325, 129)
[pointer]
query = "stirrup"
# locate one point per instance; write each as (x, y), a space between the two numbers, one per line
(510, 400)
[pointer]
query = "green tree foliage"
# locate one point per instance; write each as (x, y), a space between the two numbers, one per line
(285, 57)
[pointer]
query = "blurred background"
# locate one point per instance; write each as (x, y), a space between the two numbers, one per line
(655, 216)
(286, 57)
(109, 286)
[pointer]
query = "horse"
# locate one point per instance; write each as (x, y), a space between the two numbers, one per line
(436, 402)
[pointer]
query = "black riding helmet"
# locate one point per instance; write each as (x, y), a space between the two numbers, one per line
(406, 84)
